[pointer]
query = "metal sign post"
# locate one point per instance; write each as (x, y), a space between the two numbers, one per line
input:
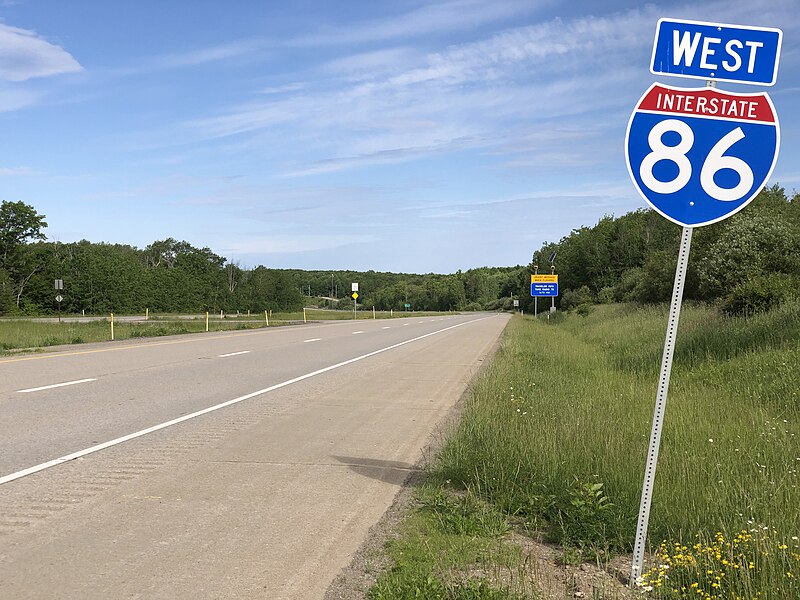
(661, 403)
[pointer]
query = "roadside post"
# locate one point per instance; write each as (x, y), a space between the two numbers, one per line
(354, 296)
(112, 326)
(535, 298)
(552, 272)
(59, 285)
(698, 156)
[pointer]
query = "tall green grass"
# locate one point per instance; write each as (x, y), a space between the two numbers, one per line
(567, 406)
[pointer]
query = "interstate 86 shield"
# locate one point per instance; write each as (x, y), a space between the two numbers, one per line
(699, 155)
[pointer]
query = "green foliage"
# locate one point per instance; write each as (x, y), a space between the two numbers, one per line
(19, 223)
(630, 259)
(565, 407)
(752, 245)
(633, 257)
(583, 517)
(463, 515)
(760, 293)
(441, 544)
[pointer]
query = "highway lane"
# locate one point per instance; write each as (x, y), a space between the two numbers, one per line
(265, 498)
(113, 390)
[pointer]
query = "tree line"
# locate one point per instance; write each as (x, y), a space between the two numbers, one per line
(175, 276)
(746, 263)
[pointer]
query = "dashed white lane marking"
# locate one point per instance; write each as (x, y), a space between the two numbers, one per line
(55, 385)
(385, 327)
(234, 354)
(131, 436)
(312, 340)
(357, 332)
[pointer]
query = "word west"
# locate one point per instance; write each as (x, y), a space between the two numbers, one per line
(685, 50)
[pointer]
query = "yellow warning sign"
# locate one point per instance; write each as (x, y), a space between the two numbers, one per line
(355, 295)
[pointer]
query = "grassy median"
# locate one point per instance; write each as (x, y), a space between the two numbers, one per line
(552, 445)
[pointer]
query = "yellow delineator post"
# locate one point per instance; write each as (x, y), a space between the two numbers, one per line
(146, 314)
(304, 315)
(112, 327)
(206, 320)
(373, 313)
(266, 318)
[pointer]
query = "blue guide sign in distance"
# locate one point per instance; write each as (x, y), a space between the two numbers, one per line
(699, 155)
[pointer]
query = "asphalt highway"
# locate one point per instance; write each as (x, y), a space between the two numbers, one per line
(232, 465)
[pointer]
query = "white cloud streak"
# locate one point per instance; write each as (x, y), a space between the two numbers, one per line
(25, 55)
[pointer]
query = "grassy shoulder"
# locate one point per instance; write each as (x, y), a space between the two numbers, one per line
(553, 440)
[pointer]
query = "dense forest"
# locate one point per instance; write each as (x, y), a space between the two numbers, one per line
(746, 263)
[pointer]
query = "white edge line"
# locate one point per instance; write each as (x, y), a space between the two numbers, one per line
(233, 354)
(55, 385)
(91, 450)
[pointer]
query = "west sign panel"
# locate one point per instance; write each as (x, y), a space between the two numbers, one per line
(716, 51)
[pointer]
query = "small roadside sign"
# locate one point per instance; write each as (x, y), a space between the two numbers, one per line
(59, 298)
(59, 285)
(516, 302)
(716, 51)
(407, 305)
(544, 285)
(355, 296)
(354, 287)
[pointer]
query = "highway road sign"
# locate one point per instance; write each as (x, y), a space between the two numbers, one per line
(354, 287)
(544, 285)
(716, 51)
(354, 296)
(699, 155)
(59, 298)
(407, 305)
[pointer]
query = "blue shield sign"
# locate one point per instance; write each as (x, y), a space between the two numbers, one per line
(716, 51)
(699, 155)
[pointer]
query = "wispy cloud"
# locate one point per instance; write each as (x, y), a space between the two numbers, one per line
(291, 244)
(25, 55)
(401, 105)
(210, 54)
(14, 99)
(17, 171)
(429, 18)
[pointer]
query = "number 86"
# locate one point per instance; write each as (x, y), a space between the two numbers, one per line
(715, 162)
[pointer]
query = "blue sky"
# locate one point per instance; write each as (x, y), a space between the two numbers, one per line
(403, 136)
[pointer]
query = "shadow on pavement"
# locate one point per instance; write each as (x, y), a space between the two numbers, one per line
(388, 471)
